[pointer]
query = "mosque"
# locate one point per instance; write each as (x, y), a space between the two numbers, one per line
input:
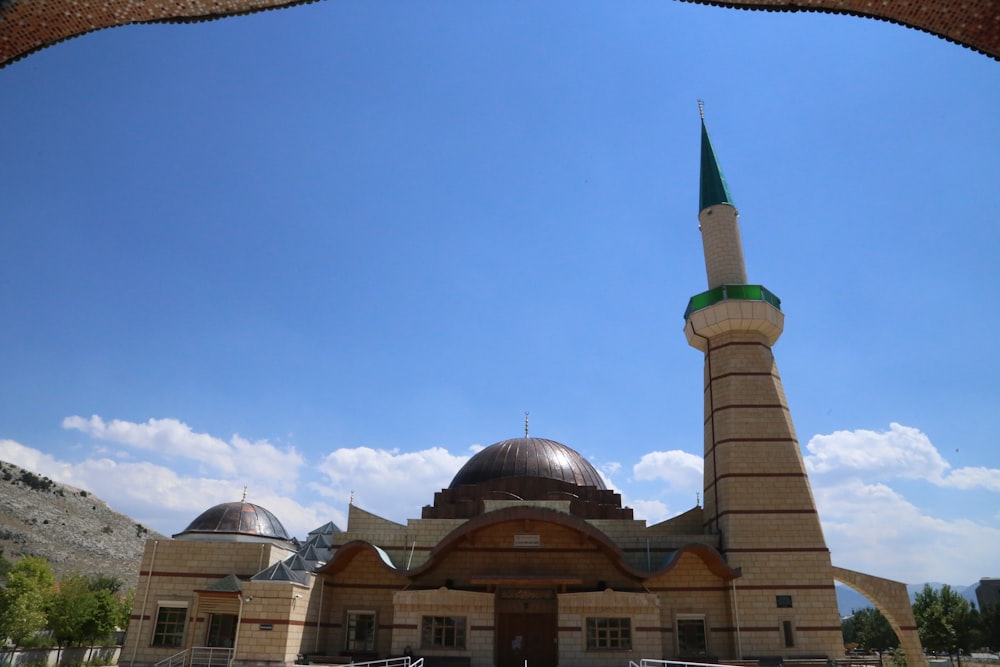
(527, 559)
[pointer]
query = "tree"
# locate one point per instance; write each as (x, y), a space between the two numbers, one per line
(869, 629)
(989, 624)
(70, 609)
(942, 619)
(86, 610)
(23, 600)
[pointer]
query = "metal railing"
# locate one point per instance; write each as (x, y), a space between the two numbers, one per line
(731, 292)
(405, 661)
(176, 660)
(212, 656)
(649, 662)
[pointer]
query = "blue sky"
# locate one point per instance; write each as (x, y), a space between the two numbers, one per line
(338, 248)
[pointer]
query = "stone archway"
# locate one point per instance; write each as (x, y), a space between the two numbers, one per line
(892, 599)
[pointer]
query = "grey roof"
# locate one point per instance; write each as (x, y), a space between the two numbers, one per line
(228, 584)
(281, 572)
(326, 529)
(320, 541)
(312, 555)
(297, 563)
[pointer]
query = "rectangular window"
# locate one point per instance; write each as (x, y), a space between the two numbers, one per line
(783, 601)
(360, 631)
(691, 639)
(609, 633)
(443, 632)
(169, 628)
(786, 629)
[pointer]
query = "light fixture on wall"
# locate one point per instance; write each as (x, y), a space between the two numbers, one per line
(248, 598)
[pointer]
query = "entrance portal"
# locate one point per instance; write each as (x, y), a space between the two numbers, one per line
(526, 628)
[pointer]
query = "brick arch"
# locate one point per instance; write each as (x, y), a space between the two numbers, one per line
(892, 599)
(27, 26)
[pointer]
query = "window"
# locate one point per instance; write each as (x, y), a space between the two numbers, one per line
(786, 629)
(691, 637)
(443, 632)
(783, 601)
(169, 629)
(609, 633)
(360, 631)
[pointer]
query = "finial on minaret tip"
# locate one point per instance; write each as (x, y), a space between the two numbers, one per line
(244, 494)
(351, 502)
(526, 424)
(701, 109)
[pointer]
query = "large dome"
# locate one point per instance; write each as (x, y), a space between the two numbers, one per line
(236, 519)
(528, 457)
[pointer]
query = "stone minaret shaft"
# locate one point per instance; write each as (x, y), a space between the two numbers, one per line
(757, 495)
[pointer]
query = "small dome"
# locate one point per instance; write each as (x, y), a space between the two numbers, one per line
(237, 518)
(528, 457)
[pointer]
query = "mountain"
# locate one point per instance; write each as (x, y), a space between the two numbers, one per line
(73, 529)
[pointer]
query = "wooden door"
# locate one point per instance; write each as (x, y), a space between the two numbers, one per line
(527, 638)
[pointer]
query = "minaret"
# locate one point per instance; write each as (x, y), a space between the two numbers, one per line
(756, 492)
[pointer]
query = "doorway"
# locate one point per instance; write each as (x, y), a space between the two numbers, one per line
(526, 628)
(221, 631)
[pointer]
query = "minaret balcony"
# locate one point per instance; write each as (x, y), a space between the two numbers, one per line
(750, 308)
(738, 292)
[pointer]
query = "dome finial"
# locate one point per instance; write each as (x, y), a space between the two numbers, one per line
(525, 423)
(244, 494)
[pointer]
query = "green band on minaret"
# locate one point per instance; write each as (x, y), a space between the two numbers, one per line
(713, 185)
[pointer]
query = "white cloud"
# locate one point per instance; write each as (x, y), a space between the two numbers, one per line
(902, 451)
(653, 511)
(681, 470)
(971, 478)
(171, 438)
(392, 484)
(162, 499)
(37, 462)
(874, 529)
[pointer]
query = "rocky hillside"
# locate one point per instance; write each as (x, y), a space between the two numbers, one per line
(76, 531)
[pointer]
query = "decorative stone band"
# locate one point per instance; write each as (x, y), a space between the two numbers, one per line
(735, 309)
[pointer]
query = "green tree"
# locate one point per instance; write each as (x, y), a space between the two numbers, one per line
(869, 629)
(86, 610)
(989, 624)
(113, 608)
(23, 600)
(70, 609)
(103, 582)
(104, 620)
(943, 621)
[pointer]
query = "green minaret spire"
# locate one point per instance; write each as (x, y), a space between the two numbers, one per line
(713, 184)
